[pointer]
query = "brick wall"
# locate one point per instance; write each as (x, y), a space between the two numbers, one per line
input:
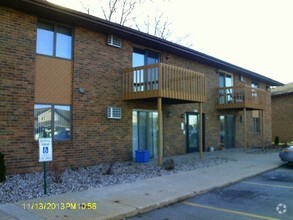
(17, 72)
(282, 117)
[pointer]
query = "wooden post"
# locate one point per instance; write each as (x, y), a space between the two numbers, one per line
(262, 129)
(200, 132)
(160, 132)
(245, 130)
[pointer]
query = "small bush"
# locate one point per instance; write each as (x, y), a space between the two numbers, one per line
(169, 164)
(109, 171)
(56, 173)
(277, 140)
(2, 168)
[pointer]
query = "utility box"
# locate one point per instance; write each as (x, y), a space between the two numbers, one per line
(142, 156)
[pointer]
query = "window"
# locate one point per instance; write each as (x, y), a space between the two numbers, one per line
(254, 84)
(256, 121)
(241, 78)
(54, 40)
(256, 126)
(52, 121)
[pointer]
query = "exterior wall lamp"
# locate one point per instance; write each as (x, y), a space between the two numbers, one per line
(81, 90)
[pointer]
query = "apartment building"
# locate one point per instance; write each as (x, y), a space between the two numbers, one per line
(101, 91)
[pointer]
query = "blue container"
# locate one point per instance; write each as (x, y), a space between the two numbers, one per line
(142, 156)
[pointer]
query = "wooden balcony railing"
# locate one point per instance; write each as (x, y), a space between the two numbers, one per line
(241, 97)
(165, 81)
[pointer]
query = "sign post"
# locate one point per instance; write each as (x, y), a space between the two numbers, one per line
(45, 154)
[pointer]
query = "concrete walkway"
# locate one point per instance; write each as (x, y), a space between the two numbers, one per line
(125, 200)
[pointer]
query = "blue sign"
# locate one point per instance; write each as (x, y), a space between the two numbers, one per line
(45, 150)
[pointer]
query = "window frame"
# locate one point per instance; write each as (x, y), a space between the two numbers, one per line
(255, 87)
(145, 52)
(52, 107)
(226, 92)
(55, 32)
(255, 84)
(256, 125)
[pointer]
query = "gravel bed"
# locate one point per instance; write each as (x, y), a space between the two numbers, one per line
(28, 186)
(269, 149)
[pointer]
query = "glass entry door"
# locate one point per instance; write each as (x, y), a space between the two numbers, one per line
(145, 131)
(227, 131)
(225, 82)
(145, 79)
(192, 132)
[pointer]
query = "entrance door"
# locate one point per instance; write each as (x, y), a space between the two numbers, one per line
(227, 130)
(192, 132)
(145, 132)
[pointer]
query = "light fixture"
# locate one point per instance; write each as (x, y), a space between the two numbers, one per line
(81, 90)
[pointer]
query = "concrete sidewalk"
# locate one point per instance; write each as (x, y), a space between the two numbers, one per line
(125, 200)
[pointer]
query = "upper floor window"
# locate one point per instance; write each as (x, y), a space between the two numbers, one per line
(225, 79)
(254, 84)
(54, 40)
(143, 57)
(226, 84)
(145, 78)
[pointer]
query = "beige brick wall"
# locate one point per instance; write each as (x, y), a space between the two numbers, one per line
(282, 117)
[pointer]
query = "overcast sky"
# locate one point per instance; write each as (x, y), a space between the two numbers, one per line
(253, 34)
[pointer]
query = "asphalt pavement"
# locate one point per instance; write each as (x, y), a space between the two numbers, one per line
(266, 196)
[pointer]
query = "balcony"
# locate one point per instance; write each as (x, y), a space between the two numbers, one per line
(241, 97)
(161, 80)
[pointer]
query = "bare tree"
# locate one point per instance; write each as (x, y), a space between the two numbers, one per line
(123, 12)
(87, 8)
(117, 11)
(156, 25)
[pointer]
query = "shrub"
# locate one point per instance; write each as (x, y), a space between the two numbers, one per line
(169, 164)
(109, 171)
(2, 168)
(276, 140)
(56, 173)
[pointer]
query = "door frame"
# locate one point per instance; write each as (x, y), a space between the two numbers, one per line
(137, 138)
(225, 132)
(186, 131)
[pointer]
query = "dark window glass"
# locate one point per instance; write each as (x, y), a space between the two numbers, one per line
(256, 125)
(43, 121)
(52, 121)
(62, 119)
(145, 79)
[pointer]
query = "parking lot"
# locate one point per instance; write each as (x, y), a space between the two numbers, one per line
(266, 196)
